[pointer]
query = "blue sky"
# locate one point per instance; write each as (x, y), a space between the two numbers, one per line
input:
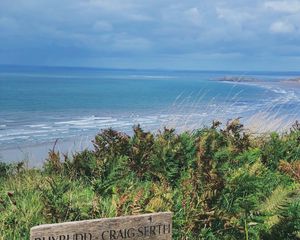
(189, 34)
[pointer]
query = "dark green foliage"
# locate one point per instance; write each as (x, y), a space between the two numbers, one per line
(110, 143)
(53, 164)
(221, 183)
(286, 147)
(8, 169)
(288, 226)
(113, 174)
(273, 151)
(140, 152)
(60, 201)
(173, 154)
(5, 169)
(85, 164)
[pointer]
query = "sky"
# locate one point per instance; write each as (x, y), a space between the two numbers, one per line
(147, 34)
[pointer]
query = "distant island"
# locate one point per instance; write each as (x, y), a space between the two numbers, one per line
(249, 79)
(237, 79)
(292, 80)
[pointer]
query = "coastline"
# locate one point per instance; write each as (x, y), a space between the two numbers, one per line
(35, 154)
(28, 132)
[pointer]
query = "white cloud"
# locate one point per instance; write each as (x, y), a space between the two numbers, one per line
(282, 27)
(233, 15)
(102, 26)
(111, 27)
(193, 15)
(139, 17)
(284, 6)
(124, 42)
(110, 6)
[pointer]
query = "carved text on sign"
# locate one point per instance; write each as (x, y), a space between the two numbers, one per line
(148, 226)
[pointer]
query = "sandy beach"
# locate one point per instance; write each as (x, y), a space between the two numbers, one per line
(34, 155)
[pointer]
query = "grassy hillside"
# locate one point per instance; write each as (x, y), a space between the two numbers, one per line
(220, 182)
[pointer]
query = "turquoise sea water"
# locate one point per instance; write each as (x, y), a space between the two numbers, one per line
(40, 104)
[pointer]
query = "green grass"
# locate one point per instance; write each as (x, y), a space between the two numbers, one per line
(221, 183)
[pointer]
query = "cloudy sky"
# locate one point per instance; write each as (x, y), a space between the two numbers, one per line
(169, 34)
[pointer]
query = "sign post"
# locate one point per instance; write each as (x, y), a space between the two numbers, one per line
(156, 226)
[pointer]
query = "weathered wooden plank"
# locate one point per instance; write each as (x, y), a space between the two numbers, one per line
(156, 226)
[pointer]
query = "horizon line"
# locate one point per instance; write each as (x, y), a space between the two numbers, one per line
(146, 69)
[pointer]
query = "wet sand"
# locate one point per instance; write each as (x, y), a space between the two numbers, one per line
(35, 155)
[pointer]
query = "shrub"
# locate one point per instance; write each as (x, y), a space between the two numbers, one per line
(221, 183)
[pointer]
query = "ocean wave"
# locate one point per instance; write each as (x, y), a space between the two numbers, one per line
(66, 127)
(285, 94)
(36, 125)
(88, 121)
(7, 138)
(152, 76)
(278, 90)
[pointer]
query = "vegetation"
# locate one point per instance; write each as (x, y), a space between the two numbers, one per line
(221, 183)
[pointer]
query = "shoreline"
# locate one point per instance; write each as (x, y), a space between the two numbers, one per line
(36, 154)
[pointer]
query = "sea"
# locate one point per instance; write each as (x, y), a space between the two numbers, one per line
(43, 105)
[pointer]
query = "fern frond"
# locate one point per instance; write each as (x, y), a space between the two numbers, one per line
(277, 203)
(256, 168)
(279, 197)
(155, 204)
(135, 206)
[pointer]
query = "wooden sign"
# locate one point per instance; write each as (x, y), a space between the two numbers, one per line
(156, 226)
